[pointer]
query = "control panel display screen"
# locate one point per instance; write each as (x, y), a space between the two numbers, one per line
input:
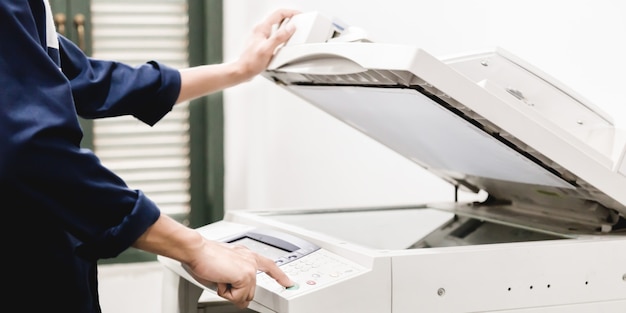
(261, 248)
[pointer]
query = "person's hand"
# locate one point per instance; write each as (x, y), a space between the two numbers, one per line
(264, 41)
(233, 268)
(199, 81)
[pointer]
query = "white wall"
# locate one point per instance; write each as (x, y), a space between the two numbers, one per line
(282, 152)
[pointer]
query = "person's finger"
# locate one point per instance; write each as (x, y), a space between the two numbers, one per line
(243, 305)
(278, 16)
(283, 33)
(222, 288)
(251, 293)
(239, 296)
(271, 269)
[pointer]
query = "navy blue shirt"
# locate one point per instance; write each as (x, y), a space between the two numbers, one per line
(62, 210)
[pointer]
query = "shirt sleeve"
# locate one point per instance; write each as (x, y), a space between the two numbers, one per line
(43, 171)
(103, 88)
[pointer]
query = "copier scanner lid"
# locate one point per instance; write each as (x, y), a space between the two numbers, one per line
(487, 121)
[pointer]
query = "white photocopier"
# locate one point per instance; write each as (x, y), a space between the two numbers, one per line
(549, 237)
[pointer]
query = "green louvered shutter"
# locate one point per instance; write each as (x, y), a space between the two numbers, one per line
(153, 159)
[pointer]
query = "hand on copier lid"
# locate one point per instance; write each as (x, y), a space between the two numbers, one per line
(202, 80)
(265, 39)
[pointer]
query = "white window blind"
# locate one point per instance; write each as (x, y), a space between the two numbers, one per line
(153, 159)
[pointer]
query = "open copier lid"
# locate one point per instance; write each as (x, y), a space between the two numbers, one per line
(547, 157)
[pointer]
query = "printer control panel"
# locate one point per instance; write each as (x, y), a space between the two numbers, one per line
(312, 271)
(309, 266)
(306, 264)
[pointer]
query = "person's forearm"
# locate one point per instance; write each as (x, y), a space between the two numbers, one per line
(169, 238)
(203, 80)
